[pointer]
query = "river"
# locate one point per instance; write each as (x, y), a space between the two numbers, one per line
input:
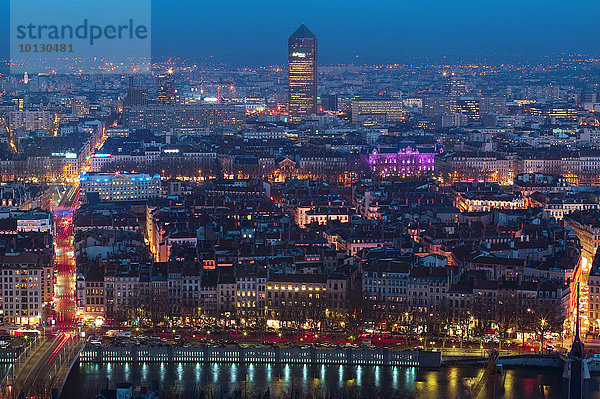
(188, 380)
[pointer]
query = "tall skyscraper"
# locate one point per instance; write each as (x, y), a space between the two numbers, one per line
(302, 74)
(166, 88)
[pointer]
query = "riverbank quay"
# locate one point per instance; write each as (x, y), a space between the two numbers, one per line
(242, 354)
(553, 361)
(511, 361)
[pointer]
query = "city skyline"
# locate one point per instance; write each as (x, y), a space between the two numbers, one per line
(300, 200)
(380, 33)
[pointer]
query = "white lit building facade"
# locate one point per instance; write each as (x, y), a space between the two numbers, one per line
(121, 186)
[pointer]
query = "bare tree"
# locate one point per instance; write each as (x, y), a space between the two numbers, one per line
(506, 316)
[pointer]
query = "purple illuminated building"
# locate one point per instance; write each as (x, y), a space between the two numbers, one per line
(403, 161)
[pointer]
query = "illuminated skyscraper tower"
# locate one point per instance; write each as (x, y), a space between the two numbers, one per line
(302, 74)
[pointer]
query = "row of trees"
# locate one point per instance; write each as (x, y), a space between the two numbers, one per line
(507, 318)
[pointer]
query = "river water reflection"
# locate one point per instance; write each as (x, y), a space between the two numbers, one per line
(251, 380)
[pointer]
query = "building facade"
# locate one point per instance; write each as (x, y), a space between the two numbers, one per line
(24, 287)
(120, 187)
(302, 74)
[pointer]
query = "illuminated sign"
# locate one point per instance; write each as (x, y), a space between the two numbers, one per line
(299, 55)
(173, 151)
(102, 155)
(69, 155)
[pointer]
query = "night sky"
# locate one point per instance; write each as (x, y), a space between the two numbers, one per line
(255, 32)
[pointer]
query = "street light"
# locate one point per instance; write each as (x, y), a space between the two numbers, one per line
(543, 323)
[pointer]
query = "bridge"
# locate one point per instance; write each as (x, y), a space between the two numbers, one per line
(42, 368)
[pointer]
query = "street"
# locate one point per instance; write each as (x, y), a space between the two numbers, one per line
(64, 261)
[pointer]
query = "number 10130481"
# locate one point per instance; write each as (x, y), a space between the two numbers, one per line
(45, 48)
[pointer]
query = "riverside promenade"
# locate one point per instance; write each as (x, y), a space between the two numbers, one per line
(260, 354)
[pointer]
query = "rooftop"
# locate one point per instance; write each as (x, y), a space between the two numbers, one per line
(303, 33)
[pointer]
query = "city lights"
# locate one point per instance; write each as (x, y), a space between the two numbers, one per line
(318, 225)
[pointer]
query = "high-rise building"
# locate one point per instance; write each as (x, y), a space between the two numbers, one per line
(19, 102)
(329, 102)
(436, 106)
(470, 107)
(31, 120)
(80, 106)
(137, 95)
(368, 109)
(30, 282)
(589, 96)
(455, 86)
(492, 105)
(166, 88)
(213, 117)
(302, 74)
